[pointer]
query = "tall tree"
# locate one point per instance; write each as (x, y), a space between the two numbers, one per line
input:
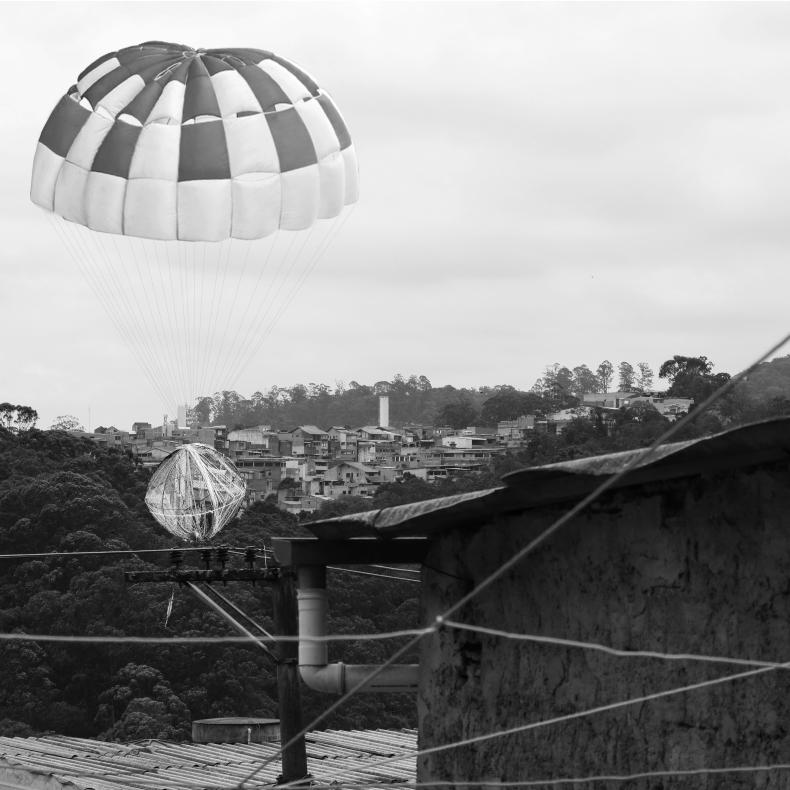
(66, 422)
(627, 375)
(691, 377)
(584, 381)
(644, 380)
(604, 372)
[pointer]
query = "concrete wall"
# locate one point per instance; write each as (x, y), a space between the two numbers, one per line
(700, 565)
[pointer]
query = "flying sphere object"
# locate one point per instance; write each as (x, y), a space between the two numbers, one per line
(195, 492)
(196, 189)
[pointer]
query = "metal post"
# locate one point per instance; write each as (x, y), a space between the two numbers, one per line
(294, 758)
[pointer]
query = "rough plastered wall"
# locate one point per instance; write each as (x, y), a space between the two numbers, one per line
(700, 565)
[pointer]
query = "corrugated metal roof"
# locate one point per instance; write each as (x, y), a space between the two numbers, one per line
(761, 442)
(332, 756)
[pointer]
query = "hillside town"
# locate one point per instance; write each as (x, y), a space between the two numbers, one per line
(307, 465)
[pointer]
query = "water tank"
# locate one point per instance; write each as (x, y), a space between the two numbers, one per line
(235, 729)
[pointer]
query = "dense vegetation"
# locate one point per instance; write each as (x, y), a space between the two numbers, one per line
(59, 494)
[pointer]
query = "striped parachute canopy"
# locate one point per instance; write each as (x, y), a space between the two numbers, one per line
(199, 189)
(195, 492)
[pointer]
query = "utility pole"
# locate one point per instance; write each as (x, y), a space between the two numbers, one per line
(285, 656)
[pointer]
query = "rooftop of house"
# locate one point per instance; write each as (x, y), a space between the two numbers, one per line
(333, 757)
(311, 429)
(568, 481)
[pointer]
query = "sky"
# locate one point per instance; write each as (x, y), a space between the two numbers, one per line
(539, 183)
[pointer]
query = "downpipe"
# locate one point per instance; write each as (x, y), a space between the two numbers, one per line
(314, 666)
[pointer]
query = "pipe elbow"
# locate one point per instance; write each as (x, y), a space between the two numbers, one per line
(328, 678)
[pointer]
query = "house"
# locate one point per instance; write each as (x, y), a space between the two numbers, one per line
(464, 441)
(686, 554)
(252, 441)
(607, 400)
(671, 408)
(309, 440)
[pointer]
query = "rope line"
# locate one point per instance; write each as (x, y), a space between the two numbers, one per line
(612, 651)
(206, 640)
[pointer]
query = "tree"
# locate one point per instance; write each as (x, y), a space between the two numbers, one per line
(604, 372)
(459, 414)
(680, 366)
(508, 403)
(691, 377)
(584, 381)
(141, 704)
(644, 381)
(16, 418)
(627, 375)
(66, 422)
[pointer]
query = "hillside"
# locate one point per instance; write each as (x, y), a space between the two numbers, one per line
(769, 381)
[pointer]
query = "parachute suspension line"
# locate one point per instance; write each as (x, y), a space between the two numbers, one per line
(183, 303)
(204, 350)
(214, 309)
(91, 270)
(183, 298)
(218, 311)
(245, 318)
(242, 357)
(177, 361)
(281, 274)
(84, 258)
(129, 293)
(212, 359)
(213, 344)
(151, 249)
(145, 323)
(333, 230)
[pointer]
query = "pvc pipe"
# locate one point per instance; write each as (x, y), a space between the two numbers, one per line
(314, 666)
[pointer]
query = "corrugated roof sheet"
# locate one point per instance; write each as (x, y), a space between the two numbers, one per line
(761, 442)
(332, 756)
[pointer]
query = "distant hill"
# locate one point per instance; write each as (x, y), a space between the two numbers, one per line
(769, 380)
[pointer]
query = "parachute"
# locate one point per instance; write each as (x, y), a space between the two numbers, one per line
(195, 492)
(196, 189)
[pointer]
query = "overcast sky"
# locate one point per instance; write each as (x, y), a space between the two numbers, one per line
(540, 183)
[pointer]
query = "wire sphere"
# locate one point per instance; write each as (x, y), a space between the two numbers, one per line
(195, 492)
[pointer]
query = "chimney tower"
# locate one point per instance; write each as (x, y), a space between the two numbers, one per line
(384, 411)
